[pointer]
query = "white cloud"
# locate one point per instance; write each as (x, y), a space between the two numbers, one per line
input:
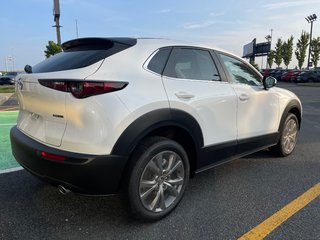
(210, 23)
(217, 14)
(199, 25)
(165, 10)
(287, 4)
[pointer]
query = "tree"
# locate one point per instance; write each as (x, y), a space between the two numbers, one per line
(315, 51)
(287, 51)
(255, 65)
(270, 58)
(278, 53)
(52, 48)
(301, 48)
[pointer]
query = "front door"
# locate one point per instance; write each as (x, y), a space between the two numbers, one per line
(258, 109)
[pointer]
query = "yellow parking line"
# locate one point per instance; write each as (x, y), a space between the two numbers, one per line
(267, 226)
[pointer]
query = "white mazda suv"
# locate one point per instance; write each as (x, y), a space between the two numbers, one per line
(143, 116)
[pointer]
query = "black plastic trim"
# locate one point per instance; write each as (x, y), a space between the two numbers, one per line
(215, 153)
(153, 120)
(212, 156)
(251, 145)
(293, 104)
(80, 173)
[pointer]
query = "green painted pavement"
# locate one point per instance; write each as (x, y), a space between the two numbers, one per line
(7, 120)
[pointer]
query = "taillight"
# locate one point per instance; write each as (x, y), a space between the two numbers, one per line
(51, 156)
(57, 85)
(83, 89)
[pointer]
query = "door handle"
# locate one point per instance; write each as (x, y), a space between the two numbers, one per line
(244, 97)
(184, 95)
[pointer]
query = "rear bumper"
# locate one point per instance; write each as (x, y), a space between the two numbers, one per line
(81, 173)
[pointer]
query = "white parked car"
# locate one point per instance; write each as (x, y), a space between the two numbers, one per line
(143, 116)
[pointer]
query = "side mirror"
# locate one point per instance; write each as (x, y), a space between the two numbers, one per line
(28, 69)
(269, 82)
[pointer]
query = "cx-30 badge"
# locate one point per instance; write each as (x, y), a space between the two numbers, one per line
(20, 83)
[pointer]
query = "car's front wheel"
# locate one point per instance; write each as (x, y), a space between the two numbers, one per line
(288, 136)
(158, 178)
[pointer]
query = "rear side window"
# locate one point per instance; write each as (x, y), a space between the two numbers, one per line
(79, 57)
(188, 63)
(158, 61)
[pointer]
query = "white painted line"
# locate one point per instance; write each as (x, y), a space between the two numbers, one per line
(11, 170)
(7, 124)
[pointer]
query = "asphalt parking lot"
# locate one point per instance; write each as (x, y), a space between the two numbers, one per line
(223, 203)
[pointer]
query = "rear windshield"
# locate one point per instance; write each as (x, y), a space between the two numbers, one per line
(78, 57)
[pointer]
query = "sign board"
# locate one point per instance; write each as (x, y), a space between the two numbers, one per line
(262, 49)
(254, 49)
(248, 49)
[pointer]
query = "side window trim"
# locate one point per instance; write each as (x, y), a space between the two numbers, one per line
(220, 67)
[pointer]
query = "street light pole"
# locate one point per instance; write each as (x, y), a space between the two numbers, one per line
(56, 15)
(269, 39)
(77, 33)
(310, 19)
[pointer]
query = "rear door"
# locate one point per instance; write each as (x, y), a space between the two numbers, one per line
(194, 85)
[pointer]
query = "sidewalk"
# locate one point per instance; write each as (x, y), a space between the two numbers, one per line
(4, 97)
(7, 120)
(8, 102)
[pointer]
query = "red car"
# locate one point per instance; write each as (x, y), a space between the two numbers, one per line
(290, 75)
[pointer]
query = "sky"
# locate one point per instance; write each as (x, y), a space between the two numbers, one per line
(26, 25)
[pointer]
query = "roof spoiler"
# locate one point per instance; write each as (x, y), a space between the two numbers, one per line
(98, 42)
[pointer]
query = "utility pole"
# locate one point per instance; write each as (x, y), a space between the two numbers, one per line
(6, 63)
(269, 39)
(310, 19)
(56, 15)
(77, 33)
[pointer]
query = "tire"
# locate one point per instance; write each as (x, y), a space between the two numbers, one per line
(157, 179)
(288, 136)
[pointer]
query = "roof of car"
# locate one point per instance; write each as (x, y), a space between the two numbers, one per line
(131, 41)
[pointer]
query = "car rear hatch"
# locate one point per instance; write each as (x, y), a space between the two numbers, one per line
(43, 113)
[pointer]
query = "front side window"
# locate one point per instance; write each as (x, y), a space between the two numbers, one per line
(240, 72)
(187, 63)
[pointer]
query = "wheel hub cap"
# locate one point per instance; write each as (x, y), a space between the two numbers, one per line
(161, 181)
(289, 137)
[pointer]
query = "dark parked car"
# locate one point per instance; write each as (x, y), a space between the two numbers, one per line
(309, 76)
(8, 78)
(277, 75)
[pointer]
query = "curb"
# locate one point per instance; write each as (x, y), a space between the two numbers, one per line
(310, 84)
(3, 99)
